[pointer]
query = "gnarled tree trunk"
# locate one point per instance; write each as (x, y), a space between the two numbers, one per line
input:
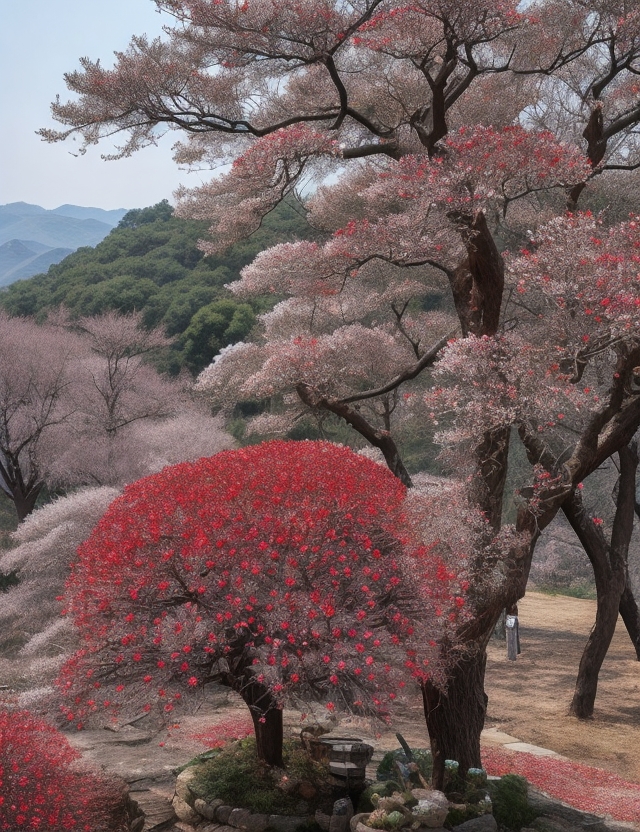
(266, 715)
(455, 718)
(610, 571)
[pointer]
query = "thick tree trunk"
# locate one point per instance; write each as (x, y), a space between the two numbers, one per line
(268, 728)
(455, 718)
(478, 283)
(267, 721)
(596, 149)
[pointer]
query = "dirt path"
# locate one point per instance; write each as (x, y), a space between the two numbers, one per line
(529, 698)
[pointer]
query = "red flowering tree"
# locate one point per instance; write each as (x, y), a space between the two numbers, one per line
(42, 787)
(282, 570)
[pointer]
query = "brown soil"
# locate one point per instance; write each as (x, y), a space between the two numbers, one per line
(529, 698)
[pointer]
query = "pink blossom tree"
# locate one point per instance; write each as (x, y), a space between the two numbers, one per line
(35, 383)
(34, 638)
(431, 178)
(79, 406)
(284, 571)
(115, 390)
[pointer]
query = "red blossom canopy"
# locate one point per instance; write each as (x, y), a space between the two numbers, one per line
(281, 570)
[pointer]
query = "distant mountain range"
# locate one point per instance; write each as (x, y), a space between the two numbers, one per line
(33, 238)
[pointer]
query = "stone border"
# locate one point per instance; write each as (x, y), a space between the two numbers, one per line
(192, 809)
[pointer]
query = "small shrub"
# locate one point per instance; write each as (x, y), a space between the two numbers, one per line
(511, 807)
(365, 803)
(388, 769)
(43, 788)
(458, 816)
(235, 775)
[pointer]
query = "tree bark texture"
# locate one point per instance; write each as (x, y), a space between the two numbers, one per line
(631, 616)
(455, 717)
(610, 571)
(381, 439)
(492, 457)
(478, 283)
(269, 736)
(267, 722)
(596, 149)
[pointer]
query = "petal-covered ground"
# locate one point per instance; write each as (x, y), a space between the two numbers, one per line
(529, 698)
(224, 730)
(583, 787)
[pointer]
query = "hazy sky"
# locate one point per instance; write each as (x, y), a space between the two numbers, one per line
(39, 41)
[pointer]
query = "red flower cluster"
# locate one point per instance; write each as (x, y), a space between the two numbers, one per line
(287, 564)
(41, 786)
(588, 789)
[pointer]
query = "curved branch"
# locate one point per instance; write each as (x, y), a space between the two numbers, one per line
(406, 375)
(380, 439)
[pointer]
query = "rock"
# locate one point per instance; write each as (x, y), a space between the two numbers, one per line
(343, 806)
(256, 823)
(184, 811)
(342, 814)
(222, 813)
(182, 785)
(205, 809)
(238, 818)
(431, 811)
(323, 820)
(484, 823)
(137, 824)
(156, 806)
(286, 823)
(310, 736)
(421, 794)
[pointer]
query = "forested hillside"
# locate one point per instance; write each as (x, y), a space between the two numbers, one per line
(151, 263)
